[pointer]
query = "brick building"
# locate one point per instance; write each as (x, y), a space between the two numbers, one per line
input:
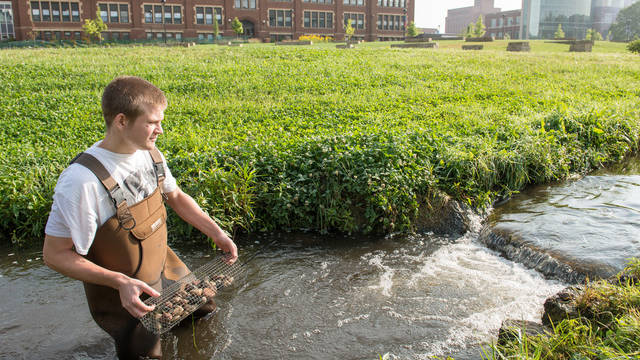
(504, 22)
(267, 20)
(458, 19)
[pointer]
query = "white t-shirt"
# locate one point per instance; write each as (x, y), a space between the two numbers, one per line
(81, 204)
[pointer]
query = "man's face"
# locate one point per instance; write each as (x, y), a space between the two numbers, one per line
(144, 130)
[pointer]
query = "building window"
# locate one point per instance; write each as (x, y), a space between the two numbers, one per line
(46, 14)
(280, 18)
(148, 15)
(325, 2)
(357, 20)
(66, 14)
(114, 13)
(391, 22)
(245, 4)
(169, 14)
(318, 19)
(124, 13)
(353, 2)
(392, 3)
(177, 16)
(205, 36)
(157, 14)
(6, 21)
(280, 37)
(35, 11)
(204, 15)
(55, 11)
(103, 12)
(75, 12)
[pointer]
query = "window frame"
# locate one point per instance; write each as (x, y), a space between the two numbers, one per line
(312, 19)
(216, 13)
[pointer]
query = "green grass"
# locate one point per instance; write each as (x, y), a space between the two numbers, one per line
(608, 328)
(273, 138)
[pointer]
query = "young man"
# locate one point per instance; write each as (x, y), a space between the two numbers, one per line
(107, 222)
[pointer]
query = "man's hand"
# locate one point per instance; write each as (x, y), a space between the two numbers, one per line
(228, 247)
(58, 254)
(191, 212)
(130, 290)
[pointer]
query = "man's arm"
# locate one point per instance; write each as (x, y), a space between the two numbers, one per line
(190, 211)
(58, 254)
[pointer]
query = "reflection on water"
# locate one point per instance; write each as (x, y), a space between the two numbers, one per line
(305, 297)
(592, 222)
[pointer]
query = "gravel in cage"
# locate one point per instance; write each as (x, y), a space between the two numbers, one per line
(186, 295)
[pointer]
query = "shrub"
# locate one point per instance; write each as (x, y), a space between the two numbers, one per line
(315, 38)
(634, 46)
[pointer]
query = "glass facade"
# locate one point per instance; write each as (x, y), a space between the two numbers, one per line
(604, 13)
(6, 21)
(541, 18)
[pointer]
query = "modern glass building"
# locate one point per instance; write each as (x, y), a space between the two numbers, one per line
(540, 18)
(604, 13)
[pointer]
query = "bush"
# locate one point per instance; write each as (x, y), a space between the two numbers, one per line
(315, 38)
(353, 142)
(634, 46)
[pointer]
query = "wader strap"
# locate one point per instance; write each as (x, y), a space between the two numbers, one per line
(126, 220)
(158, 167)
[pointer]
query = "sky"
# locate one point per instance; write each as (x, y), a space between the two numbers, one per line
(431, 13)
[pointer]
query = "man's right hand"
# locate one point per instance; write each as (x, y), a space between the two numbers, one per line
(130, 290)
(58, 253)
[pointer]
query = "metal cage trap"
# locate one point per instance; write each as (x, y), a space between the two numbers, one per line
(183, 297)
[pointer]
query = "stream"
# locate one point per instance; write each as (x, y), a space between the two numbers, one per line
(306, 296)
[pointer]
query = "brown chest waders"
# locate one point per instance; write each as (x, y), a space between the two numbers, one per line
(133, 242)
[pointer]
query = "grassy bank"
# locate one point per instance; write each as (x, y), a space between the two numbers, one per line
(608, 326)
(274, 138)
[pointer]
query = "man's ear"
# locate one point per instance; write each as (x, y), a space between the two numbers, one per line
(120, 120)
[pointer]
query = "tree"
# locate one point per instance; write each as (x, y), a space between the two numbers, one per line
(627, 23)
(478, 28)
(589, 34)
(348, 30)
(236, 25)
(412, 30)
(94, 27)
(468, 32)
(596, 36)
(559, 34)
(506, 36)
(216, 29)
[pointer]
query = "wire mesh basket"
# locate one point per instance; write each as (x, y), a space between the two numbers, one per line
(186, 295)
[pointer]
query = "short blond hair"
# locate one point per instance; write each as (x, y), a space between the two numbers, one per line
(129, 95)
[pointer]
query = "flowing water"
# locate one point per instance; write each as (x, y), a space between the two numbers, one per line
(591, 225)
(323, 297)
(303, 297)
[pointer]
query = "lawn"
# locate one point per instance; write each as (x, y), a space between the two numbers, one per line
(271, 138)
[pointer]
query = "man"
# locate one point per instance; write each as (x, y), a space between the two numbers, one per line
(107, 222)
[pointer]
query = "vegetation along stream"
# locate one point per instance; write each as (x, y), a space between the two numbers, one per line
(309, 297)
(273, 139)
